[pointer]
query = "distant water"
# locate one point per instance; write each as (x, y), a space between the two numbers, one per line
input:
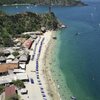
(76, 64)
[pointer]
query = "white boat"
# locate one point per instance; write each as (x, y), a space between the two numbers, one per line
(27, 7)
(91, 14)
(73, 98)
(16, 6)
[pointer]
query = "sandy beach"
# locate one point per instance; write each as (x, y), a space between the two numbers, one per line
(45, 58)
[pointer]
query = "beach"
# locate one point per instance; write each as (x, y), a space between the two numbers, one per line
(38, 69)
(46, 62)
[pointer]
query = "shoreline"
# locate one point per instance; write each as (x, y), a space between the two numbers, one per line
(50, 84)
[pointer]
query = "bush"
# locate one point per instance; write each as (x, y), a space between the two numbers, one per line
(1, 88)
(15, 54)
(14, 97)
(18, 83)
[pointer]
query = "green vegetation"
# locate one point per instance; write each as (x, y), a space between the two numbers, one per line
(14, 97)
(18, 83)
(42, 2)
(15, 53)
(13, 25)
(25, 36)
(1, 88)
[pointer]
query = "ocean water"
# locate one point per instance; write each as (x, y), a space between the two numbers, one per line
(76, 58)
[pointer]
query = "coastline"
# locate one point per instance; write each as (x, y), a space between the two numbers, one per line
(50, 84)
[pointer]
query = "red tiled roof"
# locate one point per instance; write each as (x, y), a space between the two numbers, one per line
(9, 91)
(7, 66)
(28, 43)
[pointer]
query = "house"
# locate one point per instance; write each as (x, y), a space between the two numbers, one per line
(24, 58)
(2, 59)
(6, 52)
(10, 58)
(9, 78)
(28, 43)
(10, 91)
(33, 33)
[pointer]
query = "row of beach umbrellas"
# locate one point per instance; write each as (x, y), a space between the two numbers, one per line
(37, 72)
(35, 49)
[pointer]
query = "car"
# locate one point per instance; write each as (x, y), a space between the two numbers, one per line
(32, 81)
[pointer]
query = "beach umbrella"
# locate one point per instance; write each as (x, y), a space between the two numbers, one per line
(37, 77)
(41, 88)
(40, 83)
(43, 95)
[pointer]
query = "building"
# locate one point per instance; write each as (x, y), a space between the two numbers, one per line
(10, 58)
(24, 58)
(5, 67)
(2, 59)
(28, 43)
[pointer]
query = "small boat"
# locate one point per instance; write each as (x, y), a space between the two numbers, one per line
(27, 7)
(16, 6)
(77, 33)
(73, 98)
(35, 5)
(91, 14)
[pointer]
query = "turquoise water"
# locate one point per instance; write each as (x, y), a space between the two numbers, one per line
(76, 64)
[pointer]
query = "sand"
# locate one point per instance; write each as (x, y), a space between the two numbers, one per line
(49, 44)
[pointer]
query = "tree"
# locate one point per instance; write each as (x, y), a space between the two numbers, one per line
(18, 83)
(1, 88)
(15, 53)
(13, 97)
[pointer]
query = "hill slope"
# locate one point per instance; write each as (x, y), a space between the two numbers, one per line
(13, 25)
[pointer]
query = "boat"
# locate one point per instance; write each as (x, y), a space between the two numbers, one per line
(16, 6)
(99, 24)
(35, 5)
(91, 14)
(73, 98)
(27, 7)
(77, 33)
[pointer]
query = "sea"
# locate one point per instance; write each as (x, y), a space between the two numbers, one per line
(76, 57)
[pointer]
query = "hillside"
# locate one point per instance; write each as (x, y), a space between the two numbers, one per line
(43, 2)
(13, 25)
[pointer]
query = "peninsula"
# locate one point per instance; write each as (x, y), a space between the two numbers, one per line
(44, 2)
